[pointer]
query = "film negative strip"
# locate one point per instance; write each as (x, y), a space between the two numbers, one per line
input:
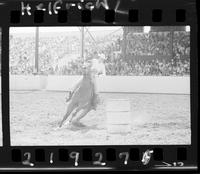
(99, 85)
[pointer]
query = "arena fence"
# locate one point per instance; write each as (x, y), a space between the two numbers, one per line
(130, 84)
(27, 82)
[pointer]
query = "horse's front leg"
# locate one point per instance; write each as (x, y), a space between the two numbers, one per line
(70, 108)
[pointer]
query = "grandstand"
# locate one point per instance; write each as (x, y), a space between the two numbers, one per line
(132, 50)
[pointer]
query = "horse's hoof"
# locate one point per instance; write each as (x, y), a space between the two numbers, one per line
(59, 126)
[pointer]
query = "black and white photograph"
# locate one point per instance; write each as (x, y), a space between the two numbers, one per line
(103, 85)
(1, 139)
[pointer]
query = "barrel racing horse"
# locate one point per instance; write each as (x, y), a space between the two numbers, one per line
(83, 97)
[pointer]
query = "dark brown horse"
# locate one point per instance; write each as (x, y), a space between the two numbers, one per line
(83, 97)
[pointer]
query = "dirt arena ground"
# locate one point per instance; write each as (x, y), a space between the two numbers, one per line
(156, 119)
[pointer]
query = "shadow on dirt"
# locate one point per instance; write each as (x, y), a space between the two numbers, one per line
(84, 128)
(76, 127)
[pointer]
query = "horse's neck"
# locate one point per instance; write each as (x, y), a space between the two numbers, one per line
(88, 78)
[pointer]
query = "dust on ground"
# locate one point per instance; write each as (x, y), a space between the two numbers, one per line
(156, 119)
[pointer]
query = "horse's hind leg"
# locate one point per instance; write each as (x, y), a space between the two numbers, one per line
(74, 114)
(84, 113)
(70, 108)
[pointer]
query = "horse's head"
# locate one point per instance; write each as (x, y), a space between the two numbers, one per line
(93, 67)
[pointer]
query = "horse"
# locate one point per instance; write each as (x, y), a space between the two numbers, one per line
(83, 97)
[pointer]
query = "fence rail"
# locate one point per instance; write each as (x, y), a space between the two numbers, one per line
(120, 84)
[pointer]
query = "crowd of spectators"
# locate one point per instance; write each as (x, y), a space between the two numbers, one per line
(149, 68)
(51, 49)
(168, 60)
